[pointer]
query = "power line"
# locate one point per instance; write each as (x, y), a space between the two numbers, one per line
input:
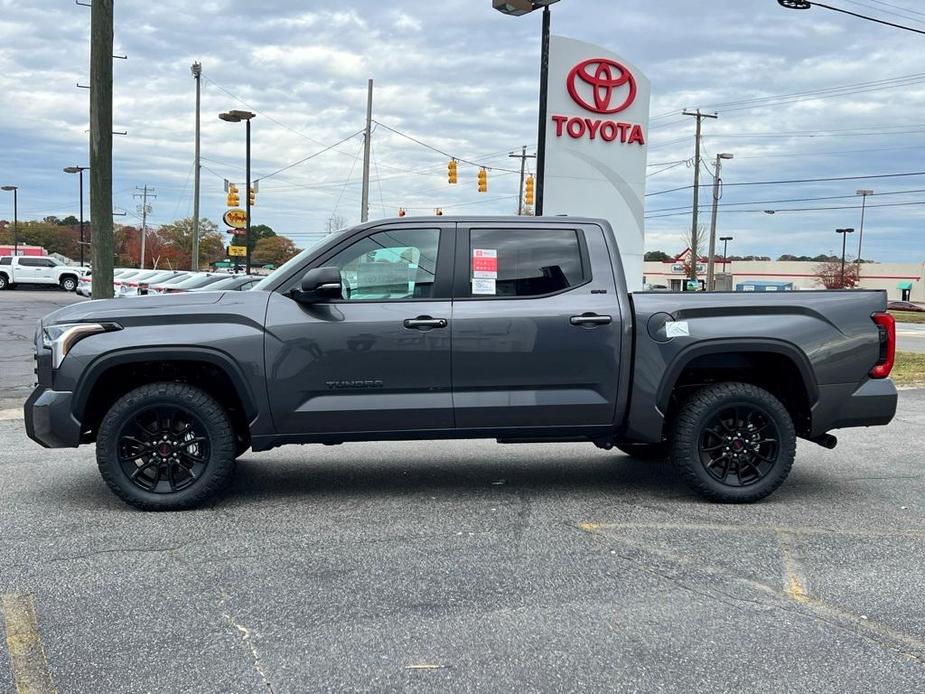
(869, 19)
(311, 156)
(798, 180)
(880, 9)
(686, 208)
(443, 152)
(800, 209)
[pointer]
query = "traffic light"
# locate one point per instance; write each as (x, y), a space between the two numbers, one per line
(528, 194)
(452, 171)
(233, 199)
(439, 212)
(483, 180)
(401, 212)
(253, 196)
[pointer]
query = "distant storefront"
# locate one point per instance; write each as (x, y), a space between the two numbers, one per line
(902, 281)
(23, 250)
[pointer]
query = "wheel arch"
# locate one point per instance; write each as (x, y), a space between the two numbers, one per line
(112, 375)
(775, 365)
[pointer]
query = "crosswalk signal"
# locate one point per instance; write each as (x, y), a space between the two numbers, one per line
(483, 180)
(529, 193)
(233, 199)
(252, 195)
(452, 172)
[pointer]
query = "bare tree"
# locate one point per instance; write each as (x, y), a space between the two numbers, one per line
(335, 223)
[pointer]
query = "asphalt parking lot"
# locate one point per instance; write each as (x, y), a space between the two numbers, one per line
(461, 566)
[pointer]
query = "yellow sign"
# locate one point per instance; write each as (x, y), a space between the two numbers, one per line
(236, 218)
(237, 250)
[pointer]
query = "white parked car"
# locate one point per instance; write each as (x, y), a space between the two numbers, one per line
(27, 269)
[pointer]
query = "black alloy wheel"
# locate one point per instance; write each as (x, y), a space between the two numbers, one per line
(733, 442)
(739, 445)
(164, 449)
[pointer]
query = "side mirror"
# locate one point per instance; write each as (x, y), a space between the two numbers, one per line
(319, 284)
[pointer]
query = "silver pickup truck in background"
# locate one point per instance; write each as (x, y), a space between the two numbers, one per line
(516, 329)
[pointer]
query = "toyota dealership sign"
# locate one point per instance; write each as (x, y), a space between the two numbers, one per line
(596, 143)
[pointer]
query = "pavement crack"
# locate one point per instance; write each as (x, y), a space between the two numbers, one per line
(247, 639)
(122, 550)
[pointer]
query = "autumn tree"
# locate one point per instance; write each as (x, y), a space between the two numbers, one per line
(273, 250)
(177, 238)
(831, 276)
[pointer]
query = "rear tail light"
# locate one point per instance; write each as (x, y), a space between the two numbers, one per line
(886, 324)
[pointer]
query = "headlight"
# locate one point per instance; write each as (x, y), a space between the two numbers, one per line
(60, 338)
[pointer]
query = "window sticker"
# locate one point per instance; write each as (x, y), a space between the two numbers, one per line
(485, 264)
(486, 287)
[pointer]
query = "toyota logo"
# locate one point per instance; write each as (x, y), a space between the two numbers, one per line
(604, 77)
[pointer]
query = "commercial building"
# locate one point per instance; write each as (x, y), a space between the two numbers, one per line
(903, 281)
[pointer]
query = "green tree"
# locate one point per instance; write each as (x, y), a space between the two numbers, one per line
(657, 257)
(259, 232)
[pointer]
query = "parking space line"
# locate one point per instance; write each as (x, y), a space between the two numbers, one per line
(719, 527)
(11, 414)
(794, 590)
(27, 654)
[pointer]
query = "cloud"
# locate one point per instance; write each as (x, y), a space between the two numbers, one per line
(463, 78)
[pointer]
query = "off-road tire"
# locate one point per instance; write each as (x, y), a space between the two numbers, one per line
(646, 451)
(218, 471)
(692, 421)
(69, 284)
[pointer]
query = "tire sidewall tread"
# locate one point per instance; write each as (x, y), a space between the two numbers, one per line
(688, 426)
(217, 474)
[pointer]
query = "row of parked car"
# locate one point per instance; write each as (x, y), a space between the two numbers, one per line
(135, 282)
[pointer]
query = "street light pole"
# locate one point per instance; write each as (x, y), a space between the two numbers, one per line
(844, 237)
(80, 171)
(517, 8)
(197, 167)
(711, 261)
(725, 240)
(237, 117)
(15, 191)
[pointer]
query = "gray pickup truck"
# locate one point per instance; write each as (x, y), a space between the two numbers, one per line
(515, 329)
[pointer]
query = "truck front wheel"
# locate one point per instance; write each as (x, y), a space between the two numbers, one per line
(166, 447)
(733, 442)
(4, 283)
(69, 284)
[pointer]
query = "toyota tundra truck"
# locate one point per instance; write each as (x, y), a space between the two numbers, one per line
(515, 329)
(22, 269)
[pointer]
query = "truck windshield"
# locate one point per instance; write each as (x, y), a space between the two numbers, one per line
(291, 263)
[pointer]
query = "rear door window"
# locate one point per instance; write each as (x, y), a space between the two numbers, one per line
(524, 262)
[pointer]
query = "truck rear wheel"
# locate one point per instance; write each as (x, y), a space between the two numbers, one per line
(4, 283)
(733, 442)
(166, 447)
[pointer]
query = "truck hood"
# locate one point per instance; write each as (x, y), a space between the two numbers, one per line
(132, 308)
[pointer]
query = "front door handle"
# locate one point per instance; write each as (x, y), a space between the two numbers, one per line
(425, 323)
(590, 320)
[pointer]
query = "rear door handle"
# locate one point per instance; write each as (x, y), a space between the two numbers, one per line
(590, 320)
(425, 323)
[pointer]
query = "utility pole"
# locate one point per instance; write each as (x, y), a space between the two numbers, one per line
(863, 194)
(197, 75)
(697, 160)
(523, 156)
(367, 144)
(101, 45)
(711, 257)
(145, 209)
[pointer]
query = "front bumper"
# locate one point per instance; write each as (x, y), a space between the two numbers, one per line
(873, 403)
(49, 419)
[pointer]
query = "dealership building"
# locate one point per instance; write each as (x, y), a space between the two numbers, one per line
(902, 281)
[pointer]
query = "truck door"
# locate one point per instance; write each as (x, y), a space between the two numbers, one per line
(31, 270)
(378, 359)
(536, 327)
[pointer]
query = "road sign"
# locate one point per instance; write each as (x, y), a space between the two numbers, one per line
(236, 218)
(237, 250)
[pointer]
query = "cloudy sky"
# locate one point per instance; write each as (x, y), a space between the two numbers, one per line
(462, 78)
